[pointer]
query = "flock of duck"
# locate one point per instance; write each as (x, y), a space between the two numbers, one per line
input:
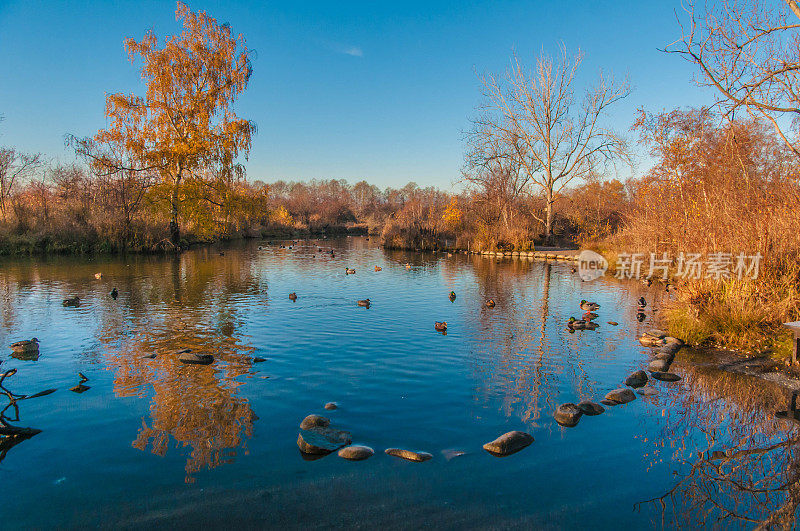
(317, 438)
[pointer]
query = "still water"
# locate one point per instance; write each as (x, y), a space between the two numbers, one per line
(154, 442)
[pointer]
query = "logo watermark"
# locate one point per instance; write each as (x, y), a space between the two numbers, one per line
(591, 265)
(716, 265)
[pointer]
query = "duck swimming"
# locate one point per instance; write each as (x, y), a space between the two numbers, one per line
(441, 327)
(490, 303)
(452, 296)
(26, 345)
(72, 301)
(378, 268)
(293, 296)
(364, 303)
(642, 302)
(349, 271)
(589, 306)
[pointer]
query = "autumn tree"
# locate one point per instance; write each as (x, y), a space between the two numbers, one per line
(534, 123)
(184, 128)
(749, 52)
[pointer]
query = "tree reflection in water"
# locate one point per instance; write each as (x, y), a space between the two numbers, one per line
(744, 467)
(191, 306)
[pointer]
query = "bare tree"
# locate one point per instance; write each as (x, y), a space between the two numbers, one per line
(533, 121)
(14, 167)
(749, 51)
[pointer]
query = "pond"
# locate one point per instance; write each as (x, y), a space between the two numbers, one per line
(155, 442)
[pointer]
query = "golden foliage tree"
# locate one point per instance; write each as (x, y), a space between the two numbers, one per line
(184, 128)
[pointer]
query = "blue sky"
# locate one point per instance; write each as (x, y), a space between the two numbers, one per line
(356, 90)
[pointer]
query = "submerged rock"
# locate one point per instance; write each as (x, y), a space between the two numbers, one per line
(591, 408)
(647, 391)
(322, 441)
(665, 356)
(314, 421)
(620, 396)
(356, 452)
(259, 360)
(637, 379)
(409, 455)
(509, 443)
(192, 358)
(452, 454)
(659, 365)
(613, 323)
(331, 406)
(568, 415)
(80, 388)
(665, 376)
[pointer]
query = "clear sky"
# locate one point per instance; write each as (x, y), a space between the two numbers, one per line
(380, 91)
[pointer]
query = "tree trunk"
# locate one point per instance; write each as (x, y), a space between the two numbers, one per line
(174, 229)
(548, 224)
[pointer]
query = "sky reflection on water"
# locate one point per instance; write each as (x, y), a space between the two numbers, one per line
(156, 442)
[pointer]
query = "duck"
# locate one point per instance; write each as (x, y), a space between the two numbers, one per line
(642, 302)
(647, 281)
(26, 345)
(378, 268)
(293, 296)
(576, 324)
(589, 306)
(452, 296)
(114, 293)
(222, 253)
(490, 303)
(573, 270)
(72, 301)
(98, 276)
(364, 303)
(441, 327)
(408, 266)
(349, 271)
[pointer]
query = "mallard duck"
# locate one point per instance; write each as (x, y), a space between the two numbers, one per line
(642, 302)
(441, 327)
(378, 268)
(293, 296)
(349, 271)
(490, 303)
(589, 306)
(573, 270)
(647, 281)
(72, 301)
(364, 302)
(98, 276)
(576, 324)
(114, 293)
(452, 296)
(26, 345)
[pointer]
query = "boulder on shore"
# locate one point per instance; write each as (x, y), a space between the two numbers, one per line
(620, 396)
(637, 379)
(568, 415)
(409, 455)
(509, 443)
